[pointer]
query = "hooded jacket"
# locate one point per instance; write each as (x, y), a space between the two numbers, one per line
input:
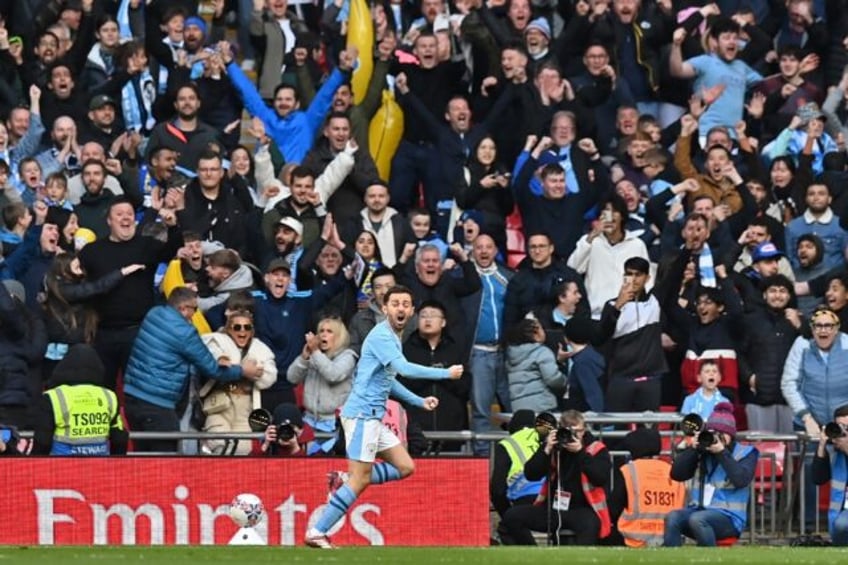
(533, 376)
(81, 366)
(241, 279)
(23, 340)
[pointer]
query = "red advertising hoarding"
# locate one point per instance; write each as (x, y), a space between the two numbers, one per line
(98, 501)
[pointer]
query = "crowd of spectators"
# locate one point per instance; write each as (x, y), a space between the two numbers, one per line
(588, 199)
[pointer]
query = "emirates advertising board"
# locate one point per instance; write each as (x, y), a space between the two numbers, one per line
(186, 501)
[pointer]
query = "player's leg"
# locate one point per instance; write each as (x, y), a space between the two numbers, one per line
(362, 439)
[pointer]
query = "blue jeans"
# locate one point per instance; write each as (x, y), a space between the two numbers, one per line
(488, 383)
(245, 7)
(704, 525)
(840, 529)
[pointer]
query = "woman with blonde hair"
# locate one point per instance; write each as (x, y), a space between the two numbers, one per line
(227, 405)
(326, 367)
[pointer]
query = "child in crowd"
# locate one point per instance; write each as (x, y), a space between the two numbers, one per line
(32, 187)
(56, 191)
(703, 400)
(421, 226)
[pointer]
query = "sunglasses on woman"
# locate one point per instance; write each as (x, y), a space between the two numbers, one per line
(243, 327)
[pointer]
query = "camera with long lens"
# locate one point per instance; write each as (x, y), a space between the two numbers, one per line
(834, 430)
(693, 426)
(285, 431)
(564, 436)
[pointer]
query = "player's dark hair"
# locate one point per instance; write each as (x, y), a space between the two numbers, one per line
(397, 289)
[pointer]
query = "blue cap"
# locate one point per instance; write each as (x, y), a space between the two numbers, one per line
(765, 250)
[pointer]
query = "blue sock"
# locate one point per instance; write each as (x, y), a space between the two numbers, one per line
(383, 473)
(339, 503)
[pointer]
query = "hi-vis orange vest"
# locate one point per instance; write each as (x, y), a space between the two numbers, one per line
(651, 494)
(595, 496)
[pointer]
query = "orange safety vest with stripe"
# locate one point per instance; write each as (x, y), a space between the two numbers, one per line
(595, 496)
(651, 494)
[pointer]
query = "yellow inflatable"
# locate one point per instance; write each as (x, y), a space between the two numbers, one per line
(360, 33)
(174, 278)
(384, 134)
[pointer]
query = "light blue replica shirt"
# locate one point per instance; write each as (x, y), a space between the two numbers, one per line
(381, 362)
(736, 76)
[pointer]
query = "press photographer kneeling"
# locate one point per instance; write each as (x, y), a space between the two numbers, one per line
(575, 495)
(831, 464)
(722, 471)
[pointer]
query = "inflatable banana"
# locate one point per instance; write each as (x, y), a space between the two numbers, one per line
(360, 34)
(173, 279)
(384, 134)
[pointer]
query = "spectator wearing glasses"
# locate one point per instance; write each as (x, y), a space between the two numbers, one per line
(809, 386)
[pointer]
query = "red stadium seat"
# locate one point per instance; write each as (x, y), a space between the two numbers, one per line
(726, 542)
(515, 243)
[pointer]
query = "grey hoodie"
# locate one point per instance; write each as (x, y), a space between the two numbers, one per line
(241, 279)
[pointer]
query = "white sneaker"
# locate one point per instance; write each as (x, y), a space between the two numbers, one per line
(314, 538)
(248, 65)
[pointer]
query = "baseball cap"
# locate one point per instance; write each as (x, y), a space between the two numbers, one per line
(292, 223)
(276, 264)
(101, 100)
(765, 250)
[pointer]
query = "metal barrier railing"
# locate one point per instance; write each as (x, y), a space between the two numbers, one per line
(773, 497)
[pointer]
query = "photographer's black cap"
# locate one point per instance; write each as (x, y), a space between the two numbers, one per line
(288, 412)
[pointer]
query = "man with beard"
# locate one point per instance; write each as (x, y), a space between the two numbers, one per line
(95, 202)
(93, 151)
(212, 208)
(186, 135)
(121, 310)
(292, 129)
(65, 154)
(101, 125)
(820, 220)
(348, 196)
(720, 67)
(304, 205)
(769, 332)
(288, 243)
(388, 226)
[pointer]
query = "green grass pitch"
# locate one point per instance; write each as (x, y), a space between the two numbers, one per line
(430, 555)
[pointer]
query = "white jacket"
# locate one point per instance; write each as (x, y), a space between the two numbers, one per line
(602, 266)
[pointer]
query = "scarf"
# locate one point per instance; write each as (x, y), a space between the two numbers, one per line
(706, 267)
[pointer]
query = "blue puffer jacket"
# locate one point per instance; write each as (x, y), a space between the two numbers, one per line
(166, 348)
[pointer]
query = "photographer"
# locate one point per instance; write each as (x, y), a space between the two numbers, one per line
(832, 465)
(575, 496)
(722, 471)
(287, 436)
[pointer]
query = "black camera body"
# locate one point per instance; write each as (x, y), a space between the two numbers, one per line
(834, 430)
(285, 431)
(706, 438)
(693, 426)
(564, 436)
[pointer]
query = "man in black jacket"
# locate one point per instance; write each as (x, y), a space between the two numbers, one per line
(769, 332)
(537, 278)
(433, 346)
(577, 467)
